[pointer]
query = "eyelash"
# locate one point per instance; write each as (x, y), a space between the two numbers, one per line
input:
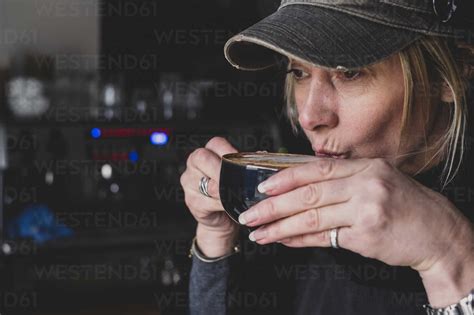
(352, 78)
(357, 75)
(293, 72)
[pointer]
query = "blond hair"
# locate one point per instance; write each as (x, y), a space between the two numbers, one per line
(428, 66)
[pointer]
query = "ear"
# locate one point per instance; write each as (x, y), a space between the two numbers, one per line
(446, 93)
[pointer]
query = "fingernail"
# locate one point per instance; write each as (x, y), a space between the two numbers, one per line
(251, 237)
(247, 217)
(264, 186)
(257, 235)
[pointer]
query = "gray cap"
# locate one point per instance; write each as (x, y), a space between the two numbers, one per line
(332, 33)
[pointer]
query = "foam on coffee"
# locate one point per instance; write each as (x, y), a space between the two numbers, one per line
(270, 160)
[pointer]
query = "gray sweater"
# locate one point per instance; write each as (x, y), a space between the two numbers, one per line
(208, 287)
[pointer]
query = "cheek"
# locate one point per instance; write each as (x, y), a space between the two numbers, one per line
(300, 94)
(372, 123)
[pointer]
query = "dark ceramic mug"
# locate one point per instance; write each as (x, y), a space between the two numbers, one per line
(241, 173)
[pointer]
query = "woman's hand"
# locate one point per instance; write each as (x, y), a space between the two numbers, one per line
(381, 213)
(216, 232)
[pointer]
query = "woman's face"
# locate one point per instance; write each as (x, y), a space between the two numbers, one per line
(351, 114)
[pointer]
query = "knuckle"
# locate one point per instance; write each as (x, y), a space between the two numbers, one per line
(321, 238)
(310, 194)
(189, 160)
(267, 210)
(291, 174)
(324, 237)
(325, 167)
(273, 232)
(183, 179)
(216, 142)
(312, 219)
(380, 188)
(200, 155)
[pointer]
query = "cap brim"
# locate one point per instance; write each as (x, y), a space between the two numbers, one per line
(320, 36)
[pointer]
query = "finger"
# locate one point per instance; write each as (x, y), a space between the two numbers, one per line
(192, 182)
(319, 239)
(314, 195)
(207, 162)
(317, 171)
(220, 146)
(306, 222)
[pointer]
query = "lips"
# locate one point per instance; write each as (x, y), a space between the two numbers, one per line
(329, 154)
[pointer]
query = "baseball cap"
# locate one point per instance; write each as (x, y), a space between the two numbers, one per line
(341, 33)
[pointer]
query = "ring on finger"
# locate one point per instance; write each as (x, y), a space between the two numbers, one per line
(333, 237)
(204, 186)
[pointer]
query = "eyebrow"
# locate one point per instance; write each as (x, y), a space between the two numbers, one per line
(370, 69)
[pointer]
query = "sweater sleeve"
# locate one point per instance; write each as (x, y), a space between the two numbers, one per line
(250, 282)
(208, 286)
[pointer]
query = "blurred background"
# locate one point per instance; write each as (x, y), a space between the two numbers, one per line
(101, 102)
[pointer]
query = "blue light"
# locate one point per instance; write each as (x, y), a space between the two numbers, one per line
(133, 156)
(95, 133)
(37, 222)
(159, 138)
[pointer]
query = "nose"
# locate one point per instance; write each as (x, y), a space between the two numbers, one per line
(317, 108)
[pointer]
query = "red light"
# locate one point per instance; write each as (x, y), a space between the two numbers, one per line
(112, 156)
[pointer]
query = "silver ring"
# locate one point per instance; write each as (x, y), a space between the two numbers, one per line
(333, 238)
(203, 186)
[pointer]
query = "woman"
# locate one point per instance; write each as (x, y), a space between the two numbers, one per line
(378, 88)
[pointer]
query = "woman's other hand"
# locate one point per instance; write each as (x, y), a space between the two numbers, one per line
(216, 233)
